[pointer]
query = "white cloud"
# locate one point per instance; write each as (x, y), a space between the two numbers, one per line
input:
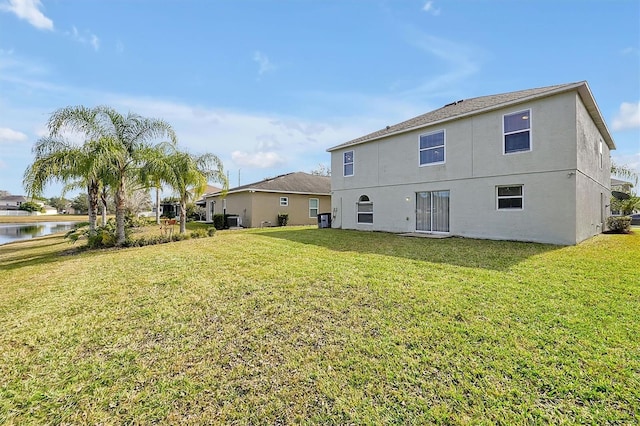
(461, 61)
(628, 116)
(29, 10)
(430, 8)
(630, 51)
(119, 47)
(264, 65)
(260, 160)
(85, 38)
(10, 135)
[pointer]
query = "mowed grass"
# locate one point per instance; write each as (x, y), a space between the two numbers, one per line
(304, 325)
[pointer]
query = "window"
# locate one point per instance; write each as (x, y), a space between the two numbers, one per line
(314, 205)
(348, 163)
(517, 132)
(432, 148)
(365, 210)
(284, 201)
(600, 151)
(510, 197)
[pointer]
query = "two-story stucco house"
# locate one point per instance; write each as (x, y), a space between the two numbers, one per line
(531, 165)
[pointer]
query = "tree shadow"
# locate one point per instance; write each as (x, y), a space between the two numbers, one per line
(39, 251)
(457, 251)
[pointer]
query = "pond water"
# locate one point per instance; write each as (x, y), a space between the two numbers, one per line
(24, 231)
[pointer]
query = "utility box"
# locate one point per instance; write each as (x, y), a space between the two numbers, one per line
(234, 221)
(324, 220)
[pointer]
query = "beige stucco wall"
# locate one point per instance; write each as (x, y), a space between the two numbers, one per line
(388, 172)
(593, 182)
(258, 208)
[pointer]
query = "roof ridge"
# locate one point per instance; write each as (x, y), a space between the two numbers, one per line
(458, 109)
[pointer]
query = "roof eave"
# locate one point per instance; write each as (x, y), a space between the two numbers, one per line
(217, 194)
(581, 87)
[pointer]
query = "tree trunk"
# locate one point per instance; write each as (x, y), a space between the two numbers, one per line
(120, 214)
(158, 205)
(183, 217)
(92, 195)
(103, 197)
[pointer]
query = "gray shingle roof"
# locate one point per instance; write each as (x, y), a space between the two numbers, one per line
(296, 182)
(466, 107)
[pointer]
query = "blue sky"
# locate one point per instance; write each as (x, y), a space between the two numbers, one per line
(268, 86)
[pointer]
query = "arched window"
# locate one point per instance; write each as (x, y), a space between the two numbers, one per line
(365, 210)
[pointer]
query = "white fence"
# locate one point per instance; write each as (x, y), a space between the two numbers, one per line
(17, 213)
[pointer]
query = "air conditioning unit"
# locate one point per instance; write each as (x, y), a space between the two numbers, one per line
(234, 221)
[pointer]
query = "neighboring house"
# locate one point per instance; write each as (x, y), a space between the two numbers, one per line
(172, 208)
(621, 185)
(48, 210)
(202, 202)
(300, 195)
(531, 165)
(619, 189)
(12, 202)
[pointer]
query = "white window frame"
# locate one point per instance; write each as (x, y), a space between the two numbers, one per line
(284, 201)
(345, 163)
(358, 213)
(317, 208)
(600, 150)
(505, 133)
(504, 197)
(444, 148)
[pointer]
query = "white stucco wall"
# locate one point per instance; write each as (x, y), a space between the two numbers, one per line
(387, 171)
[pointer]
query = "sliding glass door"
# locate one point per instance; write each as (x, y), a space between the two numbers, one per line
(432, 211)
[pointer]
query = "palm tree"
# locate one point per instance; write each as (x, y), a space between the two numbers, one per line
(188, 175)
(126, 145)
(59, 160)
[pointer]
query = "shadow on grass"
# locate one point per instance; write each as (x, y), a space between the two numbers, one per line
(466, 252)
(36, 252)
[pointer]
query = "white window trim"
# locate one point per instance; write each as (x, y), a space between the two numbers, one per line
(284, 201)
(444, 147)
(504, 134)
(358, 203)
(315, 208)
(600, 152)
(353, 163)
(498, 198)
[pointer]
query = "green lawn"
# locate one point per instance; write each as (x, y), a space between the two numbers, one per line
(304, 325)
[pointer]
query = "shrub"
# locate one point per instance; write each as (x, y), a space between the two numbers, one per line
(218, 221)
(31, 206)
(180, 237)
(199, 233)
(283, 219)
(619, 224)
(211, 231)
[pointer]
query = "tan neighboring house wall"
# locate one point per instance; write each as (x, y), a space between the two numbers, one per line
(258, 207)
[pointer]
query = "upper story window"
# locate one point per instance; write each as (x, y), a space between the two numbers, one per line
(284, 201)
(348, 163)
(365, 210)
(314, 205)
(600, 152)
(432, 148)
(517, 131)
(510, 197)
